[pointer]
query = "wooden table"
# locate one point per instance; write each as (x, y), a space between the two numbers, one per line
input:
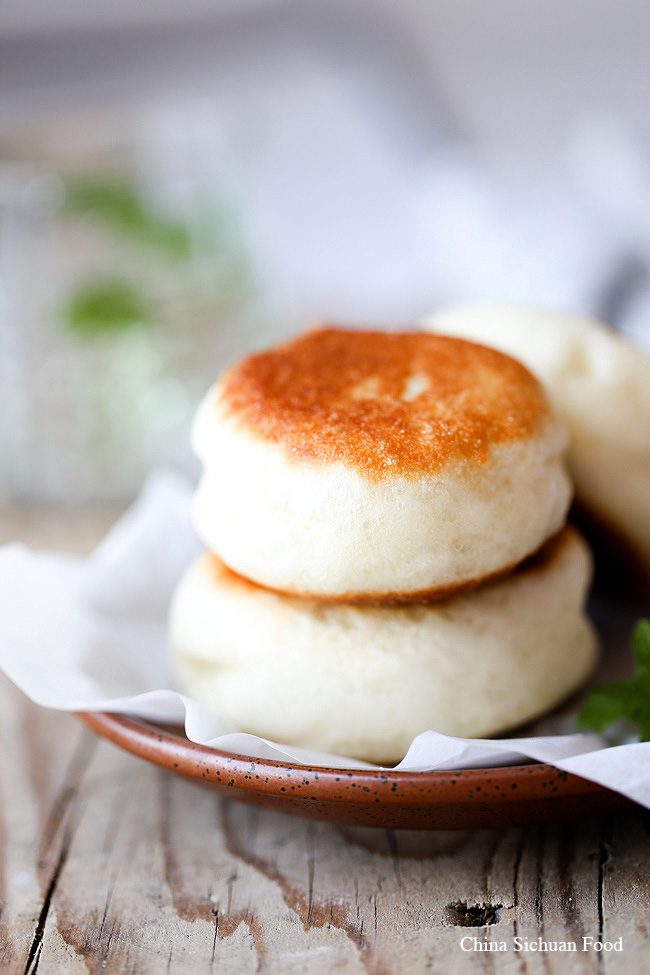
(112, 865)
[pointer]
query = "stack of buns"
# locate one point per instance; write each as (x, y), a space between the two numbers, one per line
(386, 548)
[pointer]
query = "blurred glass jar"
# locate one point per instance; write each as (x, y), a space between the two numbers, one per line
(115, 316)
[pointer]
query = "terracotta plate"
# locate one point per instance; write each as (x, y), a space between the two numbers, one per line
(471, 799)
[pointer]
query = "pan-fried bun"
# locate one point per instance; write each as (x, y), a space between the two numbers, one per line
(364, 680)
(354, 465)
(600, 384)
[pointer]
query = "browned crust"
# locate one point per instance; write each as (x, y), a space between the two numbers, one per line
(537, 562)
(336, 395)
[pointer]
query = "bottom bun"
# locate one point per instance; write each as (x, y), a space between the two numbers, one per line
(363, 681)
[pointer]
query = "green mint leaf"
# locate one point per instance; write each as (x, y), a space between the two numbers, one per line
(105, 305)
(644, 725)
(641, 648)
(117, 204)
(623, 700)
(607, 703)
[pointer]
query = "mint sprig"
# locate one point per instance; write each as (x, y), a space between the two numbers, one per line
(118, 204)
(627, 700)
(105, 305)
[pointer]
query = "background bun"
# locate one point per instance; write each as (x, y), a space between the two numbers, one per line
(600, 384)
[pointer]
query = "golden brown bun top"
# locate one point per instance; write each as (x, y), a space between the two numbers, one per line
(385, 403)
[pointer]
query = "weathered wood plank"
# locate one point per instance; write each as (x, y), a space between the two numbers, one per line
(113, 865)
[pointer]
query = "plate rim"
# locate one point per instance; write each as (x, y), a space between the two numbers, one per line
(145, 739)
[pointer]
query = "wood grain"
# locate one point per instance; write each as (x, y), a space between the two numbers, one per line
(108, 864)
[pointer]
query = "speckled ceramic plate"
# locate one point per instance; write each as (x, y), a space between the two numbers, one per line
(470, 799)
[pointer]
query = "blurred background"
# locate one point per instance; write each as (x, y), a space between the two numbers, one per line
(182, 183)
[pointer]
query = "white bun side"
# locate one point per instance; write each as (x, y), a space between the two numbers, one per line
(363, 681)
(326, 530)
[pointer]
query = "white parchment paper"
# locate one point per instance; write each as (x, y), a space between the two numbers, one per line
(88, 634)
